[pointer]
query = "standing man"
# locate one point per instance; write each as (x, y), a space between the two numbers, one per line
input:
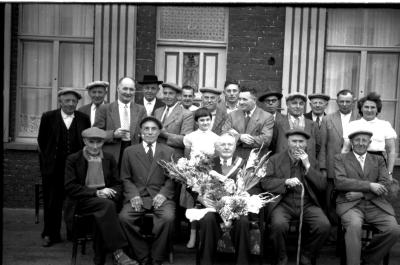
(187, 98)
(150, 89)
(210, 97)
(148, 189)
(59, 136)
(176, 120)
(287, 174)
(231, 92)
(363, 182)
(121, 119)
(251, 125)
(97, 91)
(271, 102)
(318, 104)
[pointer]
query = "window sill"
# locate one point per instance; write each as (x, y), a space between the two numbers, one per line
(21, 146)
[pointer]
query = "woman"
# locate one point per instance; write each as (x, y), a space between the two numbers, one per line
(384, 136)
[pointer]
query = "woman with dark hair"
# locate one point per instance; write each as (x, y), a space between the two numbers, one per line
(384, 136)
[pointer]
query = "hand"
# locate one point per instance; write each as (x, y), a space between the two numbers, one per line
(137, 203)
(208, 203)
(377, 188)
(303, 156)
(106, 193)
(292, 182)
(247, 139)
(353, 195)
(120, 133)
(158, 200)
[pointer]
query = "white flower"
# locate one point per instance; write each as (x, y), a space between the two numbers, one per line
(254, 204)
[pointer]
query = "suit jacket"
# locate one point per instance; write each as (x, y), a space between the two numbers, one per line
(145, 179)
(48, 137)
(107, 118)
(331, 135)
(219, 120)
(159, 103)
(349, 176)
(86, 109)
(260, 126)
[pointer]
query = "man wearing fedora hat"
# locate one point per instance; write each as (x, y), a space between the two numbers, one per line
(97, 91)
(59, 135)
(271, 100)
(318, 103)
(150, 88)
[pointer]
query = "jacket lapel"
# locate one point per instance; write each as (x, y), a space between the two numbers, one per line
(285, 170)
(115, 114)
(82, 168)
(134, 118)
(253, 121)
(368, 168)
(142, 157)
(337, 123)
(356, 165)
(218, 118)
(154, 164)
(173, 115)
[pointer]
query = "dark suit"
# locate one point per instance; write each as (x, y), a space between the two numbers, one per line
(86, 109)
(147, 179)
(219, 119)
(280, 168)
(56, 142)
(373, 209)
(159, 103)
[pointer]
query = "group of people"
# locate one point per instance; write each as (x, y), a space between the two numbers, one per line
(328, 168)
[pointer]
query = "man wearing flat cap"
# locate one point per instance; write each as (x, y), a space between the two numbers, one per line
(271, 101)
(176, 120)
(210, 97)
(97, 91)
(318, 103)
(92, 183)
(287, 174)
(59, 136)
(148, 190)
(150, 88)
(363, 183)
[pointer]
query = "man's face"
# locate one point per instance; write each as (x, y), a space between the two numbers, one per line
(345, 103)
(296, 142)
(247, 101)
(187, 97)
(68, 103)
(318, 106)
(97, 94)
(150, 132)
(170, 96)
(296, 106)
(271, 104)
(360, 143)
(150, 91)
(232, 93)
(226, 146)
(126, 90)
(204, 123)
(93, 145)
(210, 100)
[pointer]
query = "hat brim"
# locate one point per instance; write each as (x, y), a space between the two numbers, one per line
(150, 82)
(296, 96)
(302, 133)
(277, 94)
(210, 91)
(79, 96)
(177, 89)
(321, 97)
(354, 134)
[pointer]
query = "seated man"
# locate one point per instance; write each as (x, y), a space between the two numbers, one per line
(362, 181)
(286, 173)
(147, 190)
(92, 181)
(210, 231)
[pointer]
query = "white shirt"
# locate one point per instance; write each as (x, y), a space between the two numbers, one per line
(228, 161)
(345, 120)
(193, 108)
(121, 108)
(149, 105)
(251, 112)
(201, 141)
(229, 110)
(67, 118)
(361, 159)
(213, 115)
(92, 113)
(314, 117)
(146, 148)
(292, 120)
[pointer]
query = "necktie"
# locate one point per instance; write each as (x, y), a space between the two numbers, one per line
(125, 118)
(149, 110)
(246, 118)
(165, 114)
(150, 153)
(318, 121)
(225, 162)
(296, 123)
(361, 160)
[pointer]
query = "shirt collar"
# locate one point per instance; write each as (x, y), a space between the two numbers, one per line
(121, 104)
(153, 145)
(292, 118)
(65, 115)
(314, 117)
(251, 111)
(228, 161)
(145, 101)
(357, 155)
(171, 108)
(345, 115)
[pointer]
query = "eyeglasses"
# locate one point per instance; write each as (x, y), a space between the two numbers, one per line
(274, 100)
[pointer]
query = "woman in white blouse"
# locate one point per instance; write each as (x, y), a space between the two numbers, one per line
(384, 136)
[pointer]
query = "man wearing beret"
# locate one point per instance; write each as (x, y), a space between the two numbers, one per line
(92, 182)
(97, 91)
(59, 135)
(363, 182)
(287, 174)
(271, 101)
(148, 190)
(210, 97)
(150, 87)
(318, 104)
(176, 120)
(121, 119)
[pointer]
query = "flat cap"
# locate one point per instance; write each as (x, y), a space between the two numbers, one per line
(69, 91)
(357, 131)
(94, 132)
(151, 118)
(97, 83)
(211, 90)
(297, 132)
(270, 93)
(173, 86)
(319, 95)
(296, 95)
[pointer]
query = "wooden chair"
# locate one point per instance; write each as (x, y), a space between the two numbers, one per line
(82, 232)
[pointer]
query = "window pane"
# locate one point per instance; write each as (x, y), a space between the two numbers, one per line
(38, 19)
(388, 112)
(345, 27)
(383, 27)
(76, 20)
(37, 59)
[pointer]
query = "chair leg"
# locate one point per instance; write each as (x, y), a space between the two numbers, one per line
(83, 249)
(74, 251)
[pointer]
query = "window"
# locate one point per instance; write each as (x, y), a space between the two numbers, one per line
(55, 51)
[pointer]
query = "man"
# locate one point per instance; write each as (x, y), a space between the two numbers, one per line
(177, 121)
(121, 119)
(362, 181)
(150, 88)
(318, 104)
(147, 189)
(210, 97)
(231, 93)
(251, 125)
(59, 136)
(97, 91)
(92, 182)
(331, 134)
(227, 165)
(287, 174)
(187, 98)
(295, 119)
(271, 101)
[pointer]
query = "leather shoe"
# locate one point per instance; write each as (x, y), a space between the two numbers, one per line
(283, 261)
(122, 259)
(305, 260)
(46, 242)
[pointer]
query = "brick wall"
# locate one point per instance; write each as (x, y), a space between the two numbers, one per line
(255, 46)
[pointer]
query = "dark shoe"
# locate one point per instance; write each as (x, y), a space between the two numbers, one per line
(283, 261)
(46, 242)
(305, 260)
(122, 259)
